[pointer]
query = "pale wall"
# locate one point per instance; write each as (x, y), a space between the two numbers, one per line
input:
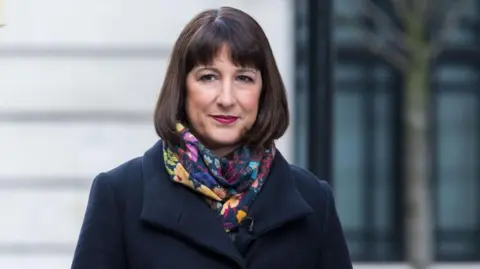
(78, 82)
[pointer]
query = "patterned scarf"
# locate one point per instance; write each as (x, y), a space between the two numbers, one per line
(229, 185)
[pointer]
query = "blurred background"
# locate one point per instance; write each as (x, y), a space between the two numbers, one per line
(79, 81)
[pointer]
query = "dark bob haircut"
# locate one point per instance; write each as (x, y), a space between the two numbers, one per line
(198, 44)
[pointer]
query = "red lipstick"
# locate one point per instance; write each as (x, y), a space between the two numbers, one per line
(225, 119)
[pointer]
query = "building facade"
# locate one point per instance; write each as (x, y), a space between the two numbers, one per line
(78, 85)
(348, 111)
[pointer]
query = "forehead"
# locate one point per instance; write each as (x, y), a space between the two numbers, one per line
(223, 57)
(224, 42)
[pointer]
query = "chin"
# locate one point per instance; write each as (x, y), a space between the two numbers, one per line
(224, 139)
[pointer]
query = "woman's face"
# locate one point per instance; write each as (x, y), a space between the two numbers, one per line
(222, 102)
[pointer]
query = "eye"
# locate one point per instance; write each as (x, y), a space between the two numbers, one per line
(245, 78)
(208, 77)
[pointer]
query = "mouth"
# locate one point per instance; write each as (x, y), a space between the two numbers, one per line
(224, 119)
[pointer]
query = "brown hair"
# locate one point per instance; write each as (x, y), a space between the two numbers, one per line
(198, 44)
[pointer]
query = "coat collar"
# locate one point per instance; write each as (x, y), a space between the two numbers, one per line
(172, 206)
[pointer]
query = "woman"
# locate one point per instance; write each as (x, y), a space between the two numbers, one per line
(214, 192)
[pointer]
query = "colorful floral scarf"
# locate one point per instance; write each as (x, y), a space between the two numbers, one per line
(230, 185)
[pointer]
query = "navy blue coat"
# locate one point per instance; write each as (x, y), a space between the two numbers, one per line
(137, 218)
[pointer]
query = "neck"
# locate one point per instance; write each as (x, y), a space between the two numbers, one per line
(223, 151)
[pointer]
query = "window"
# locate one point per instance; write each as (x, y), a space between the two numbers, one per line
(457, 162)
(301, 83)
(367, 141)
(346, 31)
(363, 159)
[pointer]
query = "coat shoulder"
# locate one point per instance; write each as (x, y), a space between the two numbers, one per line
(319, 195)
(316, 192)
(127, 169)
(310, 186)
(123, 178)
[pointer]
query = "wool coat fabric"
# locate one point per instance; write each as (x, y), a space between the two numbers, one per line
(138, 218)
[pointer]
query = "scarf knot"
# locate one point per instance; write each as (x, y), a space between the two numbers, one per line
(230, 185)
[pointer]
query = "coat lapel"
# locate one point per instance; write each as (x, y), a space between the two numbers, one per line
(174, 207)
(279, 201)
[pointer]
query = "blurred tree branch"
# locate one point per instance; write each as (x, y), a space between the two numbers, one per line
(388, 38)
(420, 9)
(400, 7)
(451, 21)
(382, 21)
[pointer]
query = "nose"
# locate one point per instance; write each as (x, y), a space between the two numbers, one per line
(226, 97)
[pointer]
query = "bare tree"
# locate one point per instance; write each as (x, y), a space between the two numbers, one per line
(405, 37)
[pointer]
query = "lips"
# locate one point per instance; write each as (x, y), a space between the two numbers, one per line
(225, 119)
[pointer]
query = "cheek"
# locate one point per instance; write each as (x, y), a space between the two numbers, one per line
(193, 105)
(189, 110)
(250, 104)
(199, 97)
(193, 108)
(197, 104)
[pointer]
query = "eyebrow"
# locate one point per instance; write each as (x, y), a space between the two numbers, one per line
(242, 69)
